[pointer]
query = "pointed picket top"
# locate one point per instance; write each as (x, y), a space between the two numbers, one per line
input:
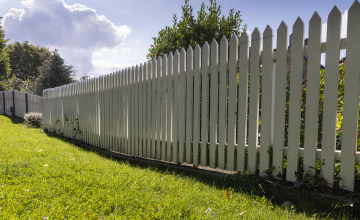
(255, 35)
(189, 57)
(159, 58)
(214, 52)
(223, 40)
(205, 52)
(298, 24)
(197, 49)
(189, 49)
(233, 38)
(282, 27)
(315, 19)
(176, 53)
(353, 13)
(224, 49)
(214, 43)
(206, 46)
(182, 51)
(355, 7)
(268, 32)
(244, 37)
(170, 56)
(335, 12)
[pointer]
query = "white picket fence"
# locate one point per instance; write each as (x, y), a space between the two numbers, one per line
(24, 102)
(188, 107)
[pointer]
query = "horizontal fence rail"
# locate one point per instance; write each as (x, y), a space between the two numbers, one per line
(223, 106)
(16, 103)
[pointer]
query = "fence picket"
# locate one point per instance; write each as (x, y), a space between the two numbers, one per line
(222, 102)
(351, 100)
(163, 107)
(148, 109)
(214, 76)
(266, 101)
(153, 112)
(169, 107)
(331, 95)
(204, 103)
(140, 108)
(158, 109)
(297, 58)
(175, 147)
(196, 101)
(312, 94)
(182, 107)
(242, 102)
(280, 99)
(136, 112)
(189, 104)
(231, 119)
(254, 101)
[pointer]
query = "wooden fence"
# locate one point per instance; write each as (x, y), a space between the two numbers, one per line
(16, 103)
(202, 106)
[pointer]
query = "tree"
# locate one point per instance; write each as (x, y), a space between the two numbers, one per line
(190, 31)
(4, 59)
(25, 59)
(54, 72)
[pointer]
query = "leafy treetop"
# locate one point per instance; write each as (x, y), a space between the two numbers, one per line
(189, 31)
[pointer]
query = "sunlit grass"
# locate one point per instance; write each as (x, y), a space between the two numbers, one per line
(44, 177)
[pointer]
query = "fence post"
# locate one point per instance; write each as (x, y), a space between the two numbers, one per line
(26, 103)
(13, 109)
(4, 101)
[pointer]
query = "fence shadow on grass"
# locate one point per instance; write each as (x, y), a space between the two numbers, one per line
(15, 120)
(305, 200)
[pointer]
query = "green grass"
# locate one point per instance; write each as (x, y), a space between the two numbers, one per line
(44, 177)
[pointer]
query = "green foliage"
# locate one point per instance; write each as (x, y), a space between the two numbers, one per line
(4, 59)
(25, 59)
(189, 31)
(54, 72)
(33, 120)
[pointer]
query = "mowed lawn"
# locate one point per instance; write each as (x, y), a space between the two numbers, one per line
(44, 177)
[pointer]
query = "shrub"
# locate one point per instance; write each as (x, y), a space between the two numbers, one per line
(33, 119)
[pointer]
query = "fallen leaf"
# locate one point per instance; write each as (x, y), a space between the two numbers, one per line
(241, 215)
(227, 195)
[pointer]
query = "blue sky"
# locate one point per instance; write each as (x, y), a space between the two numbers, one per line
(102, 36)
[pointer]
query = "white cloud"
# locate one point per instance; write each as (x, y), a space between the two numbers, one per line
(3, 1)
(125, 50)
(104, 67)
(137, 41)
(76, 30)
